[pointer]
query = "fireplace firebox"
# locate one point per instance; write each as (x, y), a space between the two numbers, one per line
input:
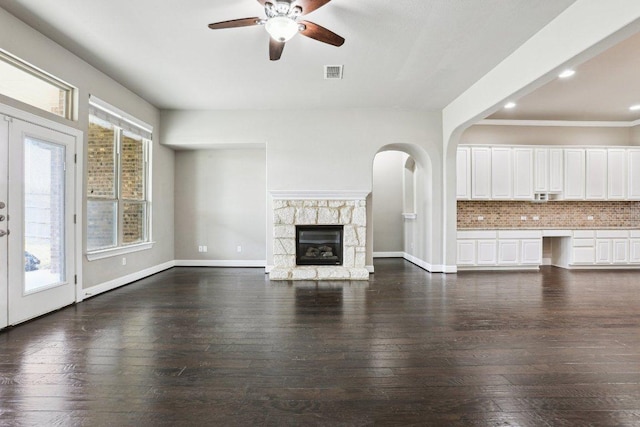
(319, 244)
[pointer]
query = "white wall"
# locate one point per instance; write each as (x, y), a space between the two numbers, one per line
(388, 228)
(546, 135)
(221, 203)
(31, 46)
(320, 149)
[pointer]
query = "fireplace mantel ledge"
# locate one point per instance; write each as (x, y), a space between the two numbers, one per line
(319, 195)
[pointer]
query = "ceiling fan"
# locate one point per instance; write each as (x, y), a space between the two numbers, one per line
(282, 24)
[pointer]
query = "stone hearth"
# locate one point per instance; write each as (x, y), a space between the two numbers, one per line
(291, 209)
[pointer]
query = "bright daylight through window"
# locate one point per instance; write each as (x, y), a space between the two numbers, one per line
(118, 202)
(21, 81)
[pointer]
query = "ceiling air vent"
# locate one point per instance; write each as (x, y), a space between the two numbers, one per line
(332, 72)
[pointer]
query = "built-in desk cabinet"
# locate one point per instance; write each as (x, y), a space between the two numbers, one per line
(604, 248)
(499, 248)
(634, 247)
(522, 249)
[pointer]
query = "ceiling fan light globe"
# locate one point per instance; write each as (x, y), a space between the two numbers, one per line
(281, 28)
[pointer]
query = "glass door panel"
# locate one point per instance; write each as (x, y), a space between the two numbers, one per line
(44, 213)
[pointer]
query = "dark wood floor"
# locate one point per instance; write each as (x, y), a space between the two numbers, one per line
(218, 346)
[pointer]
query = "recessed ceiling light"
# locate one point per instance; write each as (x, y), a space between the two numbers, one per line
(566, 73)
(510, 105)
(635, 107)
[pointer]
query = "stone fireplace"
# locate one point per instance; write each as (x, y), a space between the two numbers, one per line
(334, 229)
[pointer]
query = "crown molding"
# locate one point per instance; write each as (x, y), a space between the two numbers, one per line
(559, 123)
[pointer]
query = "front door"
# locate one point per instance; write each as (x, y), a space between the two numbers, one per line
(37, 189)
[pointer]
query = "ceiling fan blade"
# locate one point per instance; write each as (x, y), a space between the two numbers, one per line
(309, 6)
(321, 34)
(244, 22)
(275, 49)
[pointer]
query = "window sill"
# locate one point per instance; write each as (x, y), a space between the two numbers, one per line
(111, 252)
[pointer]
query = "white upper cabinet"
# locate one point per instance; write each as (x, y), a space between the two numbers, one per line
(574, 174)
(501, 173)
(523, 174)
(616, 174)
(463, 173)
(556, 170)
(596, 174)
(541, 170)
(481, 173)
(633, 174)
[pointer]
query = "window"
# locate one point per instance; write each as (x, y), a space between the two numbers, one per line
(25, 83)
(118, 202)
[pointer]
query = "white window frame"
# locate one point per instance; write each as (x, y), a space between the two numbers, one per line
(123, 122)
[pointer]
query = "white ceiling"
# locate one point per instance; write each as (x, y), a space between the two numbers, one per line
(602, 89)
(400, 53)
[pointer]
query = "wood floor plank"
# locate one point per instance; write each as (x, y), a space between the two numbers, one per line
(223, 346)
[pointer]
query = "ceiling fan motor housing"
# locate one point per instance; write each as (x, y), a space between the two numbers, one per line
(282, 8)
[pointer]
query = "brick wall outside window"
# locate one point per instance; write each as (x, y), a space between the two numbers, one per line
(101, 187)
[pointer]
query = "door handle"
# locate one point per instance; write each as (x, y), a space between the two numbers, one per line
(4, 233)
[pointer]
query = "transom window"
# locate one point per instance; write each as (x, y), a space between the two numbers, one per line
(118, 202)
(25, 83)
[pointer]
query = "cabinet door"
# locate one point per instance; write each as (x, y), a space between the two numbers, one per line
(501, 175)
(634, 251)
(583, 255)
(481, 173)
(523, 174)
(531, 251)
(596, 174)
(508, 252)
(463, 173)
(616, 174)
(574, 183)
(487, 252)
(556, 170)
(541, 170)
(603, 251)
(620, 251)
(466, 252)
(633, 174)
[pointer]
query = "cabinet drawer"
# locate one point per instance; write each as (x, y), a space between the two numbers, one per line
(584, 233)
(612, 234)
(583, 243)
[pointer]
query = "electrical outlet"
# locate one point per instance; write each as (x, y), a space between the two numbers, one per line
(536, 218)
(239, 249)
(480, 218)
(523, 218)
(204, 249)
(199, 248)
(124, 260)
(590, 218)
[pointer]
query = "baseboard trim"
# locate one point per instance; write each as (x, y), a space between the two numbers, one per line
(125, 280)
(388, 254)
(431, 268)
(220, 263)
(370, 269)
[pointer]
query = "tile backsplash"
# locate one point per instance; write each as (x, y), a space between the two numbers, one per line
(554, 214)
